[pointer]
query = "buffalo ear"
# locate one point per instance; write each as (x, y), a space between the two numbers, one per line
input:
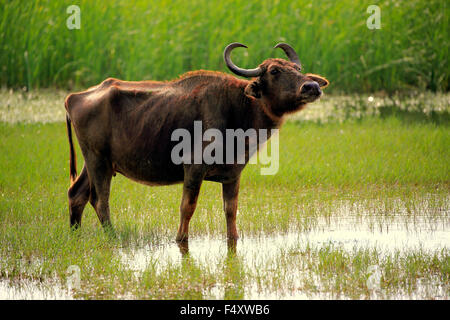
(323, 83)
(253, 89)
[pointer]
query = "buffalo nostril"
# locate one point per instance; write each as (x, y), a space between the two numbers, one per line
(311, 88)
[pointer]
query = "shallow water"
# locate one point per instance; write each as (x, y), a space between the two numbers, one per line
(347, 228)
(331, 108)
(33, 290)
(397, 233)
(260, 252)
(254, 249)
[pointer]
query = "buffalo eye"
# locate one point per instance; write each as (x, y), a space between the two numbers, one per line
(274, 71)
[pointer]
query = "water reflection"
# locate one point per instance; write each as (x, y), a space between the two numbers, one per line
(260, 255)
(184, 247)
(234, 270)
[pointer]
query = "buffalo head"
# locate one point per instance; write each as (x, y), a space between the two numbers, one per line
(279, 83)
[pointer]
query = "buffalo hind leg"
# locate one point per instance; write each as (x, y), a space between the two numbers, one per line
(191, 188)
(100, 174)
(230, 193)
(78, 197)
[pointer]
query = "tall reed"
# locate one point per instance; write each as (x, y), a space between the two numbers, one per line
(161, 39)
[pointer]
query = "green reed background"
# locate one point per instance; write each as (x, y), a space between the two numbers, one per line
(161, 39)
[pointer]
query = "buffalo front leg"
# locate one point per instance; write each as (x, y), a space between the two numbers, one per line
(191, 189)
(230, 193)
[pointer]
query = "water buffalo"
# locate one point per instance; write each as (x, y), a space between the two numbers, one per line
(126, 127)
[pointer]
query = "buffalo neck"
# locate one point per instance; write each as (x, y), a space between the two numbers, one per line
(251, 112)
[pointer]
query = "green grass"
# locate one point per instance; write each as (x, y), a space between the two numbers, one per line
(364, 162)
(385, 168)
(162, 39)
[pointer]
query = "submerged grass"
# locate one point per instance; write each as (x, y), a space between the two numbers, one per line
(162, 39)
